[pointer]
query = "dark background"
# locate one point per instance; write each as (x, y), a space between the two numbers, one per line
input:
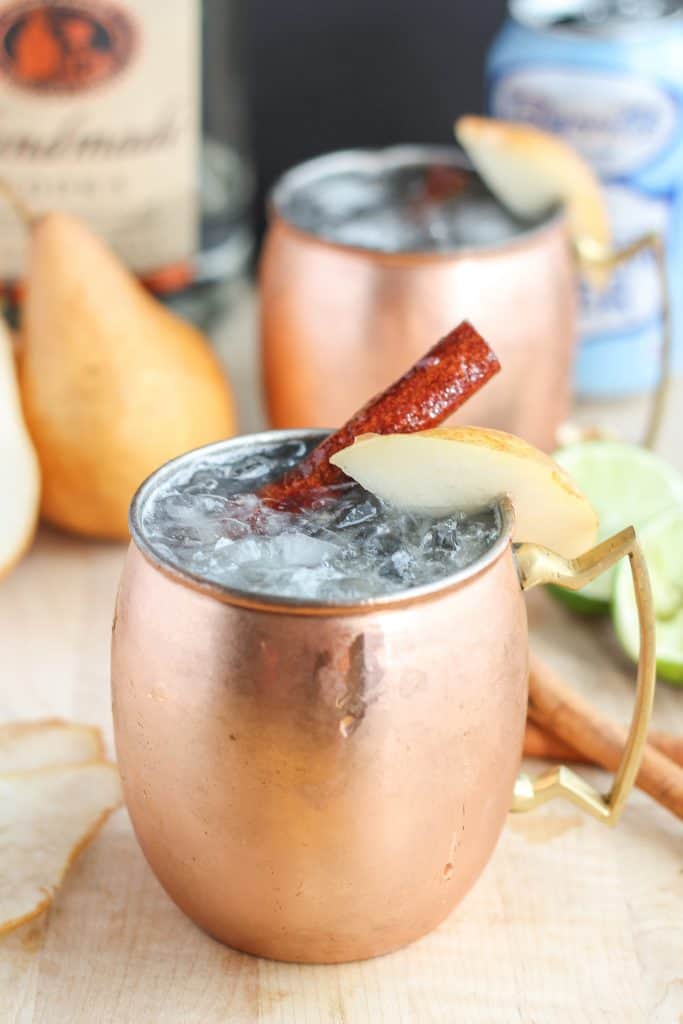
(329, 74)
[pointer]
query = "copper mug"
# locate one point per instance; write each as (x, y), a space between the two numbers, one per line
(339, 323)
(322, 783)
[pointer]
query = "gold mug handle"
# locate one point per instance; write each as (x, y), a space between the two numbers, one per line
(594, 257)
(537, 565)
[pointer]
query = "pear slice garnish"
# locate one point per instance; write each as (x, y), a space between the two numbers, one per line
(529, 171)
(466, 468)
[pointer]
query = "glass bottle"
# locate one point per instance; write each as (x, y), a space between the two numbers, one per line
(130, 114)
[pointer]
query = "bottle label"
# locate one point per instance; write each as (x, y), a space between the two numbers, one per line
(99, 117)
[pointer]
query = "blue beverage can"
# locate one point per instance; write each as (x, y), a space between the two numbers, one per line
(607, 75)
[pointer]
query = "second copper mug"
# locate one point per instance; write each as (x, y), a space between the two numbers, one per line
(324, 782)
(339, 323)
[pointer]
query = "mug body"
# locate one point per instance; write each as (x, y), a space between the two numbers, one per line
(312, 783)
(339, 323)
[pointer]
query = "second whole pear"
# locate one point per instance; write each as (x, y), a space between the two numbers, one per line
(19, 472)
(113, 384)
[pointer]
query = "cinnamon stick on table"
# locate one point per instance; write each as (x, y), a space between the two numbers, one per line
(559, 709)
(540, 742)
(427, 394)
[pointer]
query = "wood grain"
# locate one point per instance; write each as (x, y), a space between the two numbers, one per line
(571, 923)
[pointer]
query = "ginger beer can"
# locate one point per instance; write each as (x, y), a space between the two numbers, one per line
(607, 75)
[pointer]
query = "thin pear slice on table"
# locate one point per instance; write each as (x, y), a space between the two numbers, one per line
(19, 471)
(440, 471)
(27, 746)
(529, 171)
(47, 818)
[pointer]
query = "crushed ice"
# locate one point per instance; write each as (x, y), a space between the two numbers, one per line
(349, 547)
(387, 212)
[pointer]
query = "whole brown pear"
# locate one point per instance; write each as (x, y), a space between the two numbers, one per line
(113, 384)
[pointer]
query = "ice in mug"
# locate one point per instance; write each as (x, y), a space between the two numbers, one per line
(201, 518)
(412, 207)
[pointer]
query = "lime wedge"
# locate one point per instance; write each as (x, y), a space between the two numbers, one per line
(662, 543)
(627, 486)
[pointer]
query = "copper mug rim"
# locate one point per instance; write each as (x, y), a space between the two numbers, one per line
(387, 158)
(290, 605)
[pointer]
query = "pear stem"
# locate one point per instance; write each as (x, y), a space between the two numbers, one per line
(23, 211)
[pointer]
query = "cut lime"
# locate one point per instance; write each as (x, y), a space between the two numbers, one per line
(662, 543)
(627, 486)
(580, 600)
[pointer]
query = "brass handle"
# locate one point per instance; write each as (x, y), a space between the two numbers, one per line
(594, 257)
(536, 565)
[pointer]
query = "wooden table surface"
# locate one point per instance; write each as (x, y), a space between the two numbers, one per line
(571, 921)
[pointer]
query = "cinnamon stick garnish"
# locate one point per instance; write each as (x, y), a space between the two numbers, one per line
(540, 742)
(427, 394)
(573, 719)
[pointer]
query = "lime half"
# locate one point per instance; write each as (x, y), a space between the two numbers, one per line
(627, 486)
(662, 542)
